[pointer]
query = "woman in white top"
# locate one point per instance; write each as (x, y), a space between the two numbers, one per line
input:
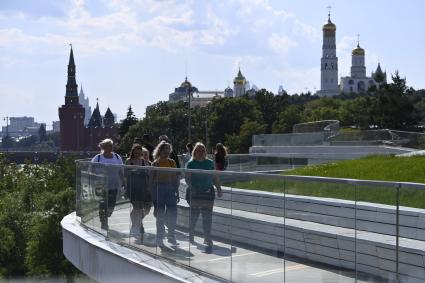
(114, 176)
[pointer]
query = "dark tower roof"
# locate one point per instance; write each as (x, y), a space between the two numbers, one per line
(108, 119)
(71, 58)
(95, 119)
(71, 85)
(379, 70)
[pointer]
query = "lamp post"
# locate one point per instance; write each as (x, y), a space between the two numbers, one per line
(189, 114)
(7, 131)
(206, 128)
(7, 125)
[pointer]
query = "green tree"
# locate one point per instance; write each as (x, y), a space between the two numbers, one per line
(393, 108)
(240, 143)
(287, 119)
(33, 201)
(129, 121)
(228, 114)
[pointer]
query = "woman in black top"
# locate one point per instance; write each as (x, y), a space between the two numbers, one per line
(137, 190)
(220, 157)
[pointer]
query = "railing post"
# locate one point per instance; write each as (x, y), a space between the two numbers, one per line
(355, 230)
(397, 231)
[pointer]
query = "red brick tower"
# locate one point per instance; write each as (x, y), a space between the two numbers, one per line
(71, 114)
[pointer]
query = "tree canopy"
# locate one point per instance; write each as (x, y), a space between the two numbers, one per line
(233, 121)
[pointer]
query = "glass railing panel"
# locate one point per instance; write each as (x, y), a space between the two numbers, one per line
(140, 218)
(94, 181)
(171, 215)
(320, 230)
(257, 229)
(376, 231)
(210, 220)
(119, 184)
(79, 168)
(411, 231)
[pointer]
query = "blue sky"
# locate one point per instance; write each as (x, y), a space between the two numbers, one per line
(135, 51)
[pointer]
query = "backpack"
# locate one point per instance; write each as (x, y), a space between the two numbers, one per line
(98, 157)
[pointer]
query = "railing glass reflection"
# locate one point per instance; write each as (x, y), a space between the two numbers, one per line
(261, 227)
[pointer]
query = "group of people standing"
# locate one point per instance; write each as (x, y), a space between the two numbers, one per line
(160, 188)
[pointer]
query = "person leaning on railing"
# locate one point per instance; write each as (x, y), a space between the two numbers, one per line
(137, 190)
(114, 176)
(200, 193)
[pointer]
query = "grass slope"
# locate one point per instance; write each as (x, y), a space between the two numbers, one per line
(384, 168)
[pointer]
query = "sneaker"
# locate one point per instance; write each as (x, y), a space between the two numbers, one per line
(172, 240)
(208, 249)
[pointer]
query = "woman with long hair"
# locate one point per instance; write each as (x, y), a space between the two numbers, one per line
(138, 191)
(201, 193)
(165, 192)
(220, 156)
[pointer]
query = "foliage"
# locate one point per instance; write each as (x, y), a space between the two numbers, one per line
(129, 121)
(240, 143)
(287, 119)
(392, 105)
(33, 201)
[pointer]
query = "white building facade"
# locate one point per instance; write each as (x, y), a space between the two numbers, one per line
(358, 82)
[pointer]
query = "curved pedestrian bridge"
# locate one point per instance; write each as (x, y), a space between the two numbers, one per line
(287, 235)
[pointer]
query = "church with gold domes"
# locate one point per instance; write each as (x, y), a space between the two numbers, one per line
(357, 82)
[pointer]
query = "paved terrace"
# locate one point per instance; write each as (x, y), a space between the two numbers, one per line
(234, 262)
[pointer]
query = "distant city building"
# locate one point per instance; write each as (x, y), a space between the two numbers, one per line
(358, 81)
(203, 97)
(329, 61)
(84, 101)
(56, 126)
(20, 126)
(197, 97)
(74, 135)
(182, 92)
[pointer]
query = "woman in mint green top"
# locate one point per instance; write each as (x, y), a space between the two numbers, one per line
(201, 193)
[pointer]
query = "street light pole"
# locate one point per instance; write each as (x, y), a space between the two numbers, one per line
(189, 117)
(7, 125)
(7, 132)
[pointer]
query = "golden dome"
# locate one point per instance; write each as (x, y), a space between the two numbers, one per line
(186, 83)
(239, 79)
(358, 51)
(329, 26)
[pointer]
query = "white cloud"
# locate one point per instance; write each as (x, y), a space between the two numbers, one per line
(281, 43)
(299, 80)
(309, 32)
